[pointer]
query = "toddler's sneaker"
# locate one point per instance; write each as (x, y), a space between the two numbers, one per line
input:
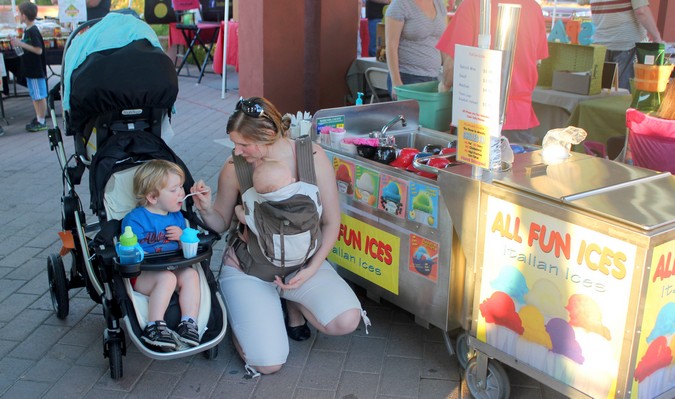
(159, 336)
(187, 332)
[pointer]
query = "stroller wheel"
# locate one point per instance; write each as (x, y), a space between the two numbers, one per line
(58, 285)
(211, 353)
(115, 359)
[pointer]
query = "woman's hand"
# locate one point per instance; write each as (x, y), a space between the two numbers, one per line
(173, 233)
(296, 281)
(202, 197)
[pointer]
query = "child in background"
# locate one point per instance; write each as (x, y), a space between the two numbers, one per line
(158, 223)
(34, 64)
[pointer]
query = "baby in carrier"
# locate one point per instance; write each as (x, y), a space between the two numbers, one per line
(280, 212)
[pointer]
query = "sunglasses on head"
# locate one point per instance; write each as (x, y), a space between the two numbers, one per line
(251, 108)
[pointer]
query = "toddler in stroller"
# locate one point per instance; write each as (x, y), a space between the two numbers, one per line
(118, 91)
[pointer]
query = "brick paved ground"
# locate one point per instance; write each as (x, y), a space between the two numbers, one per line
(42, 356)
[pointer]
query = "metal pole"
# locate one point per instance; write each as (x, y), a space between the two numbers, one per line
(508, 20)
(483, 42)
(223, 84)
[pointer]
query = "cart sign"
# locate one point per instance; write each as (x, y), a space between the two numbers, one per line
(549, 295)
(367, 252)
(475, 102)
(654, 371)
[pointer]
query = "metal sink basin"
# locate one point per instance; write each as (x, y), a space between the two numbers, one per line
(421, 138)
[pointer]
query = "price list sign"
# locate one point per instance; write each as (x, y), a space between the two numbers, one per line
(475, 102)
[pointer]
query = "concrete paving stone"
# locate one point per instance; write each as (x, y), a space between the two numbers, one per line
(400, 376)
(400, 316)
(154, 385)
(66, 352)
(26, 389)
(7, 287)
(75, 383)
(380, 318)
(306, 393)
(11, 369)
(330, 342)
(173, 366)
(365, 355)
(227, 388)
(299, 351)
(93, 355)
(43, 303)
(434, 389)
(78, 309)
(5, 270)
(358, 385)
(13, 305)
(433, 334)
(7, 346)
(37, 285)
(89, 330)
(39, 342)
(199, 380)
(47, 369)
(279, 385)
(437, 363)
(404, 340)
(322, 370)
(11, 243)
(134, 366)
(96, 393)
(19, 256)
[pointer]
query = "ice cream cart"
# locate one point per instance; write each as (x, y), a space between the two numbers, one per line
(396, 237)
(574, 272)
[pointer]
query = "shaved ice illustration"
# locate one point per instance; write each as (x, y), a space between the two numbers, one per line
(535, 343)
(585, 312)
(500, 309)
(533, 323)
(547, 298)
(563, 340)
(658, 356)
(391, 198)
(503, 326)
(422, 209)
(512, 282)
(422, 261)
(665, 322)
(344, 180)
(365, 188)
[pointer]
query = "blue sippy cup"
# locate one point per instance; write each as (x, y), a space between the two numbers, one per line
(128, 248)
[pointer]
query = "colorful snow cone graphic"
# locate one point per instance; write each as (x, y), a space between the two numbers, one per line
(533, 323)
(500, 309)
(422, 209)
(422, 261)
(585, 312)
(655, 372)
(365, 188)
(563, 340)
(658, 356)
(391, 198)
(512, 282)
(665, 322)
(547, 298)
(344, 180)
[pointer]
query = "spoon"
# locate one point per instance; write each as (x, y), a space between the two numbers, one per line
(198, 192)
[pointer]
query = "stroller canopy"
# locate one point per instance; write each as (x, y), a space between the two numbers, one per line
(116, 64)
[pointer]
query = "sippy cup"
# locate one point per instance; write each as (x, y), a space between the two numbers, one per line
(128, 248)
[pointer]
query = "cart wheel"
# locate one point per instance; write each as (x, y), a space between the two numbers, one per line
(211, 353)
(463, 351)
(496, 385)
(58, 285)
(115, 359)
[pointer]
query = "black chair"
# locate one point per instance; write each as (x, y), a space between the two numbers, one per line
(196, 34)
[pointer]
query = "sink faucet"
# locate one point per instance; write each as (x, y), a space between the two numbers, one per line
(384, 140)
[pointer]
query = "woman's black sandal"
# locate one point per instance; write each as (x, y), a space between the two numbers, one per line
(297, 333)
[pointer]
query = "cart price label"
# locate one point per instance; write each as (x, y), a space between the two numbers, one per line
(330, 121)
(473, 144)
(423, 204)
(549, 294)
(367, 252)
(654, 372)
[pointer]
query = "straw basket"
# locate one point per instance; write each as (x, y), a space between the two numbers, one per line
(652, 78)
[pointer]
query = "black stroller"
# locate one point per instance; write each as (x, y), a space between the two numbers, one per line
(117, 99)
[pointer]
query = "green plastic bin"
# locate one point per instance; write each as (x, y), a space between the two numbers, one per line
(435, 107)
